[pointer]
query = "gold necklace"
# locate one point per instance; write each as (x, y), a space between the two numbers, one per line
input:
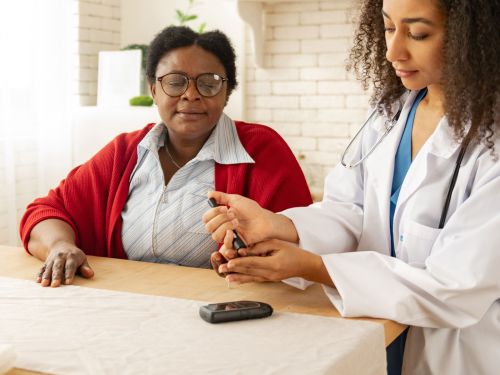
(170, 157)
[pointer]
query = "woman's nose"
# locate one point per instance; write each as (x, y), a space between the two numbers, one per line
(192, 92)
(396, 47)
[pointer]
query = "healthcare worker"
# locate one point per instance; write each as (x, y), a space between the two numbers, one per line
(409, 226)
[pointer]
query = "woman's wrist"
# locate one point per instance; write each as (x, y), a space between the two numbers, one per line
(47, 235)
(281, 228)
(314, 269)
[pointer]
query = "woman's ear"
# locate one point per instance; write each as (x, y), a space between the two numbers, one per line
(227, 97)
(152, 89)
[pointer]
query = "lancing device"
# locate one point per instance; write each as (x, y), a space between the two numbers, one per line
(237, 241)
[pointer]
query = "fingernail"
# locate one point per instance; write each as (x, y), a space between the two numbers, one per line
(231, 281)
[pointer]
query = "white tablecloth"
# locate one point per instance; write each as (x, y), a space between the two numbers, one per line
(77, 330)
(7, 357)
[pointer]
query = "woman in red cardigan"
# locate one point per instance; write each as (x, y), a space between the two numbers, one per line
(142, 196)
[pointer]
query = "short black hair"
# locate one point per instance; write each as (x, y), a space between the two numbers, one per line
(215, 42)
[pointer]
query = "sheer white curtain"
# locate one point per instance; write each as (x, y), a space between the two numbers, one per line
(38, 41)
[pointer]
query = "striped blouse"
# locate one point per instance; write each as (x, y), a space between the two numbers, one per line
(163, 224)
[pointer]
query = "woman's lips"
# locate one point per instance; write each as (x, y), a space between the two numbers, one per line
(191, 115)
(405, 73)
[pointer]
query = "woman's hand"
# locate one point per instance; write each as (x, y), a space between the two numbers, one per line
(272, 260)
(252, 222)
(63, 261)
(225, 253)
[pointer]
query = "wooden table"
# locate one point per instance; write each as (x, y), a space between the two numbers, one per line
(184, 282)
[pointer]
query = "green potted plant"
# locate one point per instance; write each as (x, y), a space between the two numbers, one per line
(184, 17)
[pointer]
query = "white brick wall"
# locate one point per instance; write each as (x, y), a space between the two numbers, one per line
(98, 30)
(304, 91)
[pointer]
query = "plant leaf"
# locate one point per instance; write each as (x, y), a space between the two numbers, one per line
(179, 15)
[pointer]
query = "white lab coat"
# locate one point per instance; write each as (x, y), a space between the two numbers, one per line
(445, 283)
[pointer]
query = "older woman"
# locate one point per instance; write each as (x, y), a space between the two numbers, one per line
(142, 196)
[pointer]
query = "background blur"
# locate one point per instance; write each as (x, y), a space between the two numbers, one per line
(291, 57)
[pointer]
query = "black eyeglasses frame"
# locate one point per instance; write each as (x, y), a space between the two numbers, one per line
(195, 80)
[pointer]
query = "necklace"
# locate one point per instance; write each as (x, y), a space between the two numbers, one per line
(171, 158)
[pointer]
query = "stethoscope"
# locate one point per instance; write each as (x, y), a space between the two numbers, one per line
(390, 124)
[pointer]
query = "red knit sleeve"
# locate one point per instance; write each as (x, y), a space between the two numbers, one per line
(50, 207)
(84, 198)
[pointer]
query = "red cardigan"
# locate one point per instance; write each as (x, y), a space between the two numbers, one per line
(93, 195)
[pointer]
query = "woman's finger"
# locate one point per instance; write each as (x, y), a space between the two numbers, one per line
(227, 249)
(57, 271)
(40, 273)
(261, 267)
(220, 233)
(256, 266)
(217, 259)
(228, 240)
(85, 270)
(259, 249)
(218, 225)
(47, 274)
(238, 278)
(70, 270)
(221, 198)
(214, 213)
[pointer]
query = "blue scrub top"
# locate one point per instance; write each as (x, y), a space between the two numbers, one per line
(402, 163)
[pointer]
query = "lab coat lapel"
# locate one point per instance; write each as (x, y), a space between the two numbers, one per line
(439, 145)
(381, 165)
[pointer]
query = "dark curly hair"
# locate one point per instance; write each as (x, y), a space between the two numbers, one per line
(471, 64)
(215, 42)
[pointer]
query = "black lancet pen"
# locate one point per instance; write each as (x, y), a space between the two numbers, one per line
(237, 241)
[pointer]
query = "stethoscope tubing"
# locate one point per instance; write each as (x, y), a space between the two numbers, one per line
(393, 122)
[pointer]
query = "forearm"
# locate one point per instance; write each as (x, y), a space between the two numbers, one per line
(46, 234)
(313, 269)
(283, 228)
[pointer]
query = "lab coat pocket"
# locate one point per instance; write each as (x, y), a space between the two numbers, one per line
(417, 243)
(194, 205)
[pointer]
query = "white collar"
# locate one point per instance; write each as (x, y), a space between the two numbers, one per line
(223, 145)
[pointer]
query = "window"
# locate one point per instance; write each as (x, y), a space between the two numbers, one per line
(39, 40)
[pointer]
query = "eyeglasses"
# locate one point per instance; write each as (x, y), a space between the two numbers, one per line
(176, 84)
(389, 125)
